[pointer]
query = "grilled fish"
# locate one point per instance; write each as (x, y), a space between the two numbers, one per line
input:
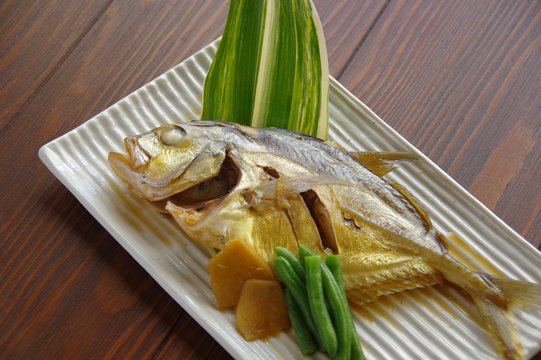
(272, 187)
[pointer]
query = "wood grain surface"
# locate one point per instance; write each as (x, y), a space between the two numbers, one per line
(460, 79)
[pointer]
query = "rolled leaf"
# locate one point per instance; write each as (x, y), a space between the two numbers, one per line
(271, 68)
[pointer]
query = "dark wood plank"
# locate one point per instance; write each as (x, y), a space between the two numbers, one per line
(71, 290)
(461, 81)
(36, 38)
(187, 340)
(345, 25)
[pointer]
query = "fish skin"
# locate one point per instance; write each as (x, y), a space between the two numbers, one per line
(293, 189)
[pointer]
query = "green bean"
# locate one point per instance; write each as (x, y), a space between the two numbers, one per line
(339, 309)
(297, 289)
(305, 251)
(333, 263)
(356, 349)
(305, 340)
(318, 307)
(292, 260)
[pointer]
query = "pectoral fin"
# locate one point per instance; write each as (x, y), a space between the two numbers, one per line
(278, 188)
(381, 163)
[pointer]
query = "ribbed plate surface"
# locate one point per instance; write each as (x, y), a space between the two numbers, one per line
(421, 324)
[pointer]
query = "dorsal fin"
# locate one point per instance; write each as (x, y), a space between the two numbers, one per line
(414, 202)
(381, 163)
(421, 212)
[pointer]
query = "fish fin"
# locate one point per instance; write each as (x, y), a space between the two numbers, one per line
(494, 304)
(413, 201)
(280, 191)
(520, 294)
(495, 298)
(421, 212)
(297, 184)
(500, 327)
(381, 163)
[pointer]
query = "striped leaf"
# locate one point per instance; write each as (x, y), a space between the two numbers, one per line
(271, 68)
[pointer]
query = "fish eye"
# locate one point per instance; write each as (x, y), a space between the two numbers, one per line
(173, 136)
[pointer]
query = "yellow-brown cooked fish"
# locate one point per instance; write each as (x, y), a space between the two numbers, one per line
(272, 187)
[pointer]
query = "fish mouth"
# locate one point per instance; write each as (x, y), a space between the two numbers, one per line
(125, 163)
(136, 155)
(206, 193)
(121, 164)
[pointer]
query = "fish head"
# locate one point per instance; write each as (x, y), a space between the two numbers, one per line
(170, 159)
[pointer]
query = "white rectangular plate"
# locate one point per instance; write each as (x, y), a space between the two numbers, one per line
(425, 324)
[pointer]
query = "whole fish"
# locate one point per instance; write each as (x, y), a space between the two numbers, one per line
(272, 187)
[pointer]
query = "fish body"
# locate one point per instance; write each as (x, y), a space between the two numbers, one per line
(272, 187)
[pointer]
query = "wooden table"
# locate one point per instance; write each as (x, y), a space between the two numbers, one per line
(461, 80)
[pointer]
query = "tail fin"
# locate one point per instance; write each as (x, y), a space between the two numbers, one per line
(495, 298)
(518, 294)
(500, 327)
(497, 315)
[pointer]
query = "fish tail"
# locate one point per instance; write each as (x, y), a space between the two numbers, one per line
(500, 327)
(518, 294)
(495, 298)
(495, 306)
